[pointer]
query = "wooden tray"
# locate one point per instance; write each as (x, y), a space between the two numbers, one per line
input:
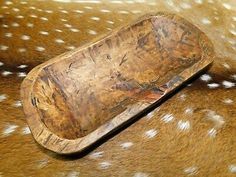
(75, 99)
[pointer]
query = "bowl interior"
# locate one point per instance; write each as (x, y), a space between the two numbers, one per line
(81, 92)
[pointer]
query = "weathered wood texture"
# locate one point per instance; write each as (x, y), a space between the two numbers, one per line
(193, 133)
(84, 94)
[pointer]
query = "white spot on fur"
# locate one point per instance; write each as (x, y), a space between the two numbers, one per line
(232, 32)
(140, 174)
(44, 18)
(4, 7)
(25, 130)
(206, 21)
(232, 41)
(22, 66)
(123, 12)
(234, 76)
(183, 125)
(30, 25)
(58, 30)
(190, 170)
(95, 18)
(151, 133)
(213, 85)
(6, 73)
(150, 115)
(68, 25)
(64, 11)
(19, 16)
(32, 7)
(70, 47)
(5, 26)
(110, 22)
(74, 30)
(136, 11)
(25, 37)
(189, 111)
(96, 155)
(227, 6)
(59, 41)
(232, 168)
(228, 84)
(16, 9)
(88, 7)
(8, 3)
(49, 11)
(105, 10)
(17, 104)
(3, 47)
(3, 97)
(92, 32)
(226, 65)
(21, 74)
(126, 145)
(15, 24)
(79, 11)
(182, 97)
(40, 49)
(212, 132)
(43, 32)
(9, 129)
(1, 63)
(189, 85)
(167, 118)
(21, 50)
(217, 119)
(104, 165)
(8, 34)
(228, 101)
(205, 77)
(198, 1)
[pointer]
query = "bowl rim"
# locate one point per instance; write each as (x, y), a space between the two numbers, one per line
(60, 145)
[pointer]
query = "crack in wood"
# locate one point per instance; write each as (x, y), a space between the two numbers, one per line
(123, 59)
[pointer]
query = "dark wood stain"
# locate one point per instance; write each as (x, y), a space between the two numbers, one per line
(146, 61)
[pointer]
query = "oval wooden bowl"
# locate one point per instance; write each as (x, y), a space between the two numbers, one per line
(75, 99)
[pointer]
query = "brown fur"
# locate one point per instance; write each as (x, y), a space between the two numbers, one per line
(171, 151)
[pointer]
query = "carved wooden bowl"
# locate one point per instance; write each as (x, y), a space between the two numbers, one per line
(75, 99)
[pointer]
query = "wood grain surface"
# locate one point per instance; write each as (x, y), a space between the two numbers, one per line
(77, 98)
(192, 133)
